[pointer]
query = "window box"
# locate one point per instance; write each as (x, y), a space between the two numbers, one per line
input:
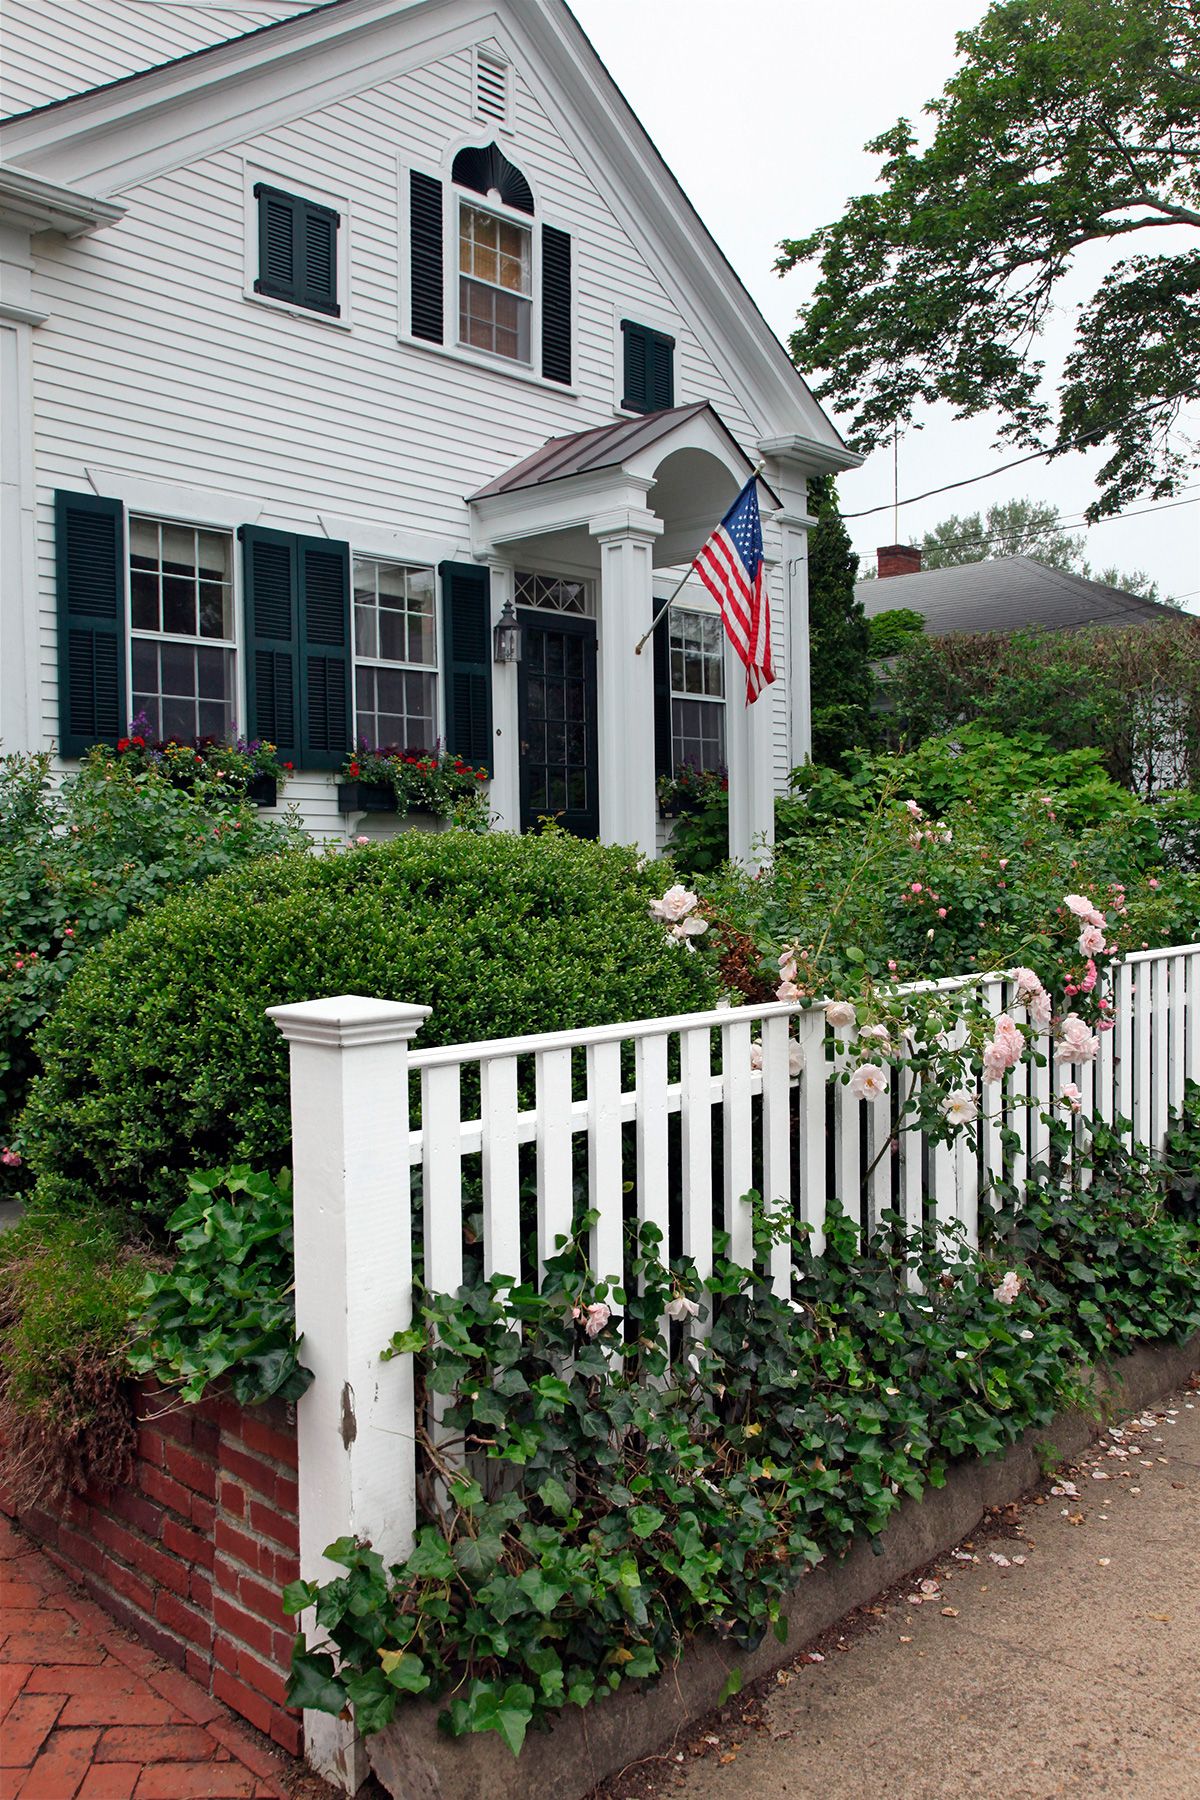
(366, 796)
(262, 790)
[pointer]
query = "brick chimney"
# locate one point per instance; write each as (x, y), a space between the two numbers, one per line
(899, 559)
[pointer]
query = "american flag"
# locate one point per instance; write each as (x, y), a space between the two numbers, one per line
(731, 567)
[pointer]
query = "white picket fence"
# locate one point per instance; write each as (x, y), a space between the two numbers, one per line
(663, 1120)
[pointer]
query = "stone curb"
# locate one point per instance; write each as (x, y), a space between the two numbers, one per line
(415, 1761)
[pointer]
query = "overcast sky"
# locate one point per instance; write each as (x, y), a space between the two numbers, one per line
(761, 109)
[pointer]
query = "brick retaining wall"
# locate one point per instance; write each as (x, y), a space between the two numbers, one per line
(192, 1554)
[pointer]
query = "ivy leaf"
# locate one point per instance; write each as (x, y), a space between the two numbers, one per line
(431, 1556)
(645, 1520)
(404, 1670)
(297, 1595)
(733, 1685)
(476, 1557)
(312, 1684)
(554, 1495)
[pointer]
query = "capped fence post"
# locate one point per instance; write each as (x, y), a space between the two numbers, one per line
(353, 1231)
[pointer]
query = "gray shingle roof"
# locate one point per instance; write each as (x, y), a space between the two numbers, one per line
(1008, 593)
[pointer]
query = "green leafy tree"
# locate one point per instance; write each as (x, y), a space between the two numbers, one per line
(839, 639)
(1070, 122)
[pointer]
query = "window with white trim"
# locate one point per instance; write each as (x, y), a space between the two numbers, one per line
(495, 283)
(395, 645)
(554, 593)
(697, 645)
(182, 634)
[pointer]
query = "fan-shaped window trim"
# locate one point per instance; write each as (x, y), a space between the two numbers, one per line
(484, 168)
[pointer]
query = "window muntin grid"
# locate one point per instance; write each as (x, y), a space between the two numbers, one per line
(554, 593)
(697, 651)
(495, 267)
(181, 617)
(395, 642)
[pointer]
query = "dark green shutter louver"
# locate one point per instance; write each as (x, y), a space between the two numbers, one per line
(324, 571)
(425, 234)
(272, 639)
(663, 753)
(90, 553)
(556, 304)
(467, 639)
(649, 368)
(297, 250)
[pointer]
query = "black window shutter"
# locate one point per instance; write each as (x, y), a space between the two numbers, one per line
(649, 371)
(272, 639)
(556, 304)
(297, 250)
(425, 232)
(467, 640)
(325, 649)
(663, 753)
(90, 555)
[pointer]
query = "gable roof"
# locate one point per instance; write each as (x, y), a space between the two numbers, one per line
(125, 132)
(1009, 593)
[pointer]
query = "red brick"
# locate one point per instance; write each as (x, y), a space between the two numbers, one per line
(187, 1620)
(151, 1447)
(206, 1436)
(248, 1471)
(240, 1547)
(182, 1541)
(164, 1489)
(30, 1721)
(130, 1587)
(30, 1647)
(273, 1525)
(242, 1625)
(263, 1762)
(117, 1709)
(185, 1696)
(258, 1436)
(288, 1731)
(200, 1589)
(82, 1551)
(243, 1699)
(281, 1648)
(232, 1497)
(204, 1515)
(287, 1499)
(224, 1653)
(111, 1678)
(204, 1781)
(198, 1668)
(137, 1509)
(171, 1421)
(264, 1602)
(133, 1656)
(12, 1679)
(192, 1470)
(20, 1593)
(59, 1770)
(110, 1781)
(263, 1677)
(154, 1743)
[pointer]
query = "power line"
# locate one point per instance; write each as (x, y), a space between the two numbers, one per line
(1063, 525)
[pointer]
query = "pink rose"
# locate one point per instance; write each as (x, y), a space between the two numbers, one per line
(1076, 1043)
(840, 1013)
(1091, 941)
(868, 1082)
(1009, 1288)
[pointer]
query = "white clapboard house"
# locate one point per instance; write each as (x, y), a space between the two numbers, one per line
(327, 333)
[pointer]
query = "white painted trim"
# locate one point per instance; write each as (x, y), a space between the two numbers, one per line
(279, 176)
(497, 58)
(21, 315)
(400, 544)
(21, 725)
(166, 500)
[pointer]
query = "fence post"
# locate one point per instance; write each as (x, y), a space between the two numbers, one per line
(353, 1230)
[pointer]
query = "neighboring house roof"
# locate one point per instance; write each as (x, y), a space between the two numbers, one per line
(604, 447)
(114, 137)
(1008, 593)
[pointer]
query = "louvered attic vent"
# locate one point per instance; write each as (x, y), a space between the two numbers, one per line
(491, 87)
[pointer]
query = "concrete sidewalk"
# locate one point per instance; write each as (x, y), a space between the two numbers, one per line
(1058, 1655)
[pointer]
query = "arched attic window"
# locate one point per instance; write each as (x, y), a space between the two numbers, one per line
(511, 273)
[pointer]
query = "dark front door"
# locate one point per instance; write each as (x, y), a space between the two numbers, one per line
(556, 692)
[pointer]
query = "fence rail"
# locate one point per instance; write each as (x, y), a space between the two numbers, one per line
(670, 1121)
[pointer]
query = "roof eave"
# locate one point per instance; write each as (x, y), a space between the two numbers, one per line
(32, 204)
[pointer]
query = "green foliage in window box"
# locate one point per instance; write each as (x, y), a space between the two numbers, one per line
(80, 858)
(223, 1313)
(690, 790)
(620, 1494)
(164, 1061)
(428, 781)
(237, 767)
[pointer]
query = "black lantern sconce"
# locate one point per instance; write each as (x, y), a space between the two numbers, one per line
(506, 636)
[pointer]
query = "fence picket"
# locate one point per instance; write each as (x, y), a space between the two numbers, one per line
(695, 1095)
(847, 1137)
(814, 1182)
(441, 1131)
(606, 1191)
(1178, 1003)
(1191, 1064)
(1123, 1037)
(1142, 1065)
(776, 1141)
(501, 1168)
(1160, 1050)
(737, 1126)
(555, 1190)
(653, 1141)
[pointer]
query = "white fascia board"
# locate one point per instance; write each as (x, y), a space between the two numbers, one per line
(810, 456)
(573, 502)
(33, 204)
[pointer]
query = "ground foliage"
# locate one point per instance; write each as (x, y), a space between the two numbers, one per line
(81, 858)
(160, 1060)
(1068, 122)
(621, 1492)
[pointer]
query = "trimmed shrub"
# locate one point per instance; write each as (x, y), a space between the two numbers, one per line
(160, 1059)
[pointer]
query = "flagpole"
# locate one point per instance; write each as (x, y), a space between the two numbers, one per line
(666, 606)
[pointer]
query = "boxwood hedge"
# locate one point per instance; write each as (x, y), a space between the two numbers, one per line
(160, 1058)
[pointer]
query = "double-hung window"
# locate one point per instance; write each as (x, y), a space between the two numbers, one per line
(495, 283)
(697, 653)
(182, 639)
(395, 641)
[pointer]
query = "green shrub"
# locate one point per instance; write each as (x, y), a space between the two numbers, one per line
(66, 1286)
(160, 1059)
(77, 861)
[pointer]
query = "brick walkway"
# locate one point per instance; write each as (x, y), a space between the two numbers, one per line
(87, 1713)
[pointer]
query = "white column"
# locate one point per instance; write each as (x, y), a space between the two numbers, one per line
(353, 1228)
(793, 531)
(506, 782)
(20, 723)
(626, 682)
